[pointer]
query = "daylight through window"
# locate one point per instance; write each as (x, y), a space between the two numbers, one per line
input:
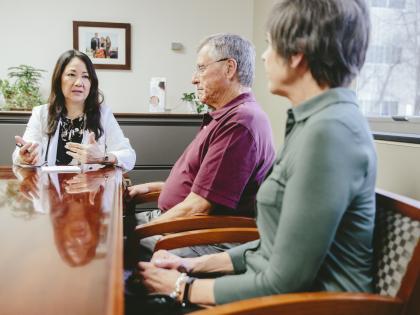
(389, 84)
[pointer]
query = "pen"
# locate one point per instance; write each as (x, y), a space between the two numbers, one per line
(19, 145)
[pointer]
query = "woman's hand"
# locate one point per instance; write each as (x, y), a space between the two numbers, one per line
(164, 259)
(90, 182)
(29, 183)
(28, 152)
(89, 153)
(157, 280)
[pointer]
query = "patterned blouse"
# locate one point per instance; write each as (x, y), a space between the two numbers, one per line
(71, 130)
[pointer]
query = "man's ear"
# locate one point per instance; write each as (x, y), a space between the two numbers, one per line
(297, 60)
(232, 66)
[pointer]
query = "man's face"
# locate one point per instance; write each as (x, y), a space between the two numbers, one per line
(210, 78)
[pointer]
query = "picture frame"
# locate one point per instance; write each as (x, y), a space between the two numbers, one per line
(107, 44)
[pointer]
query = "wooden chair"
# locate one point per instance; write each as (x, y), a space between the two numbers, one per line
(397, 273)
(198, 222)
(208, 236)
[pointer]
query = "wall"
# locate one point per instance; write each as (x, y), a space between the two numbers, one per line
(274, 106)
(37, 32)
(399, 168)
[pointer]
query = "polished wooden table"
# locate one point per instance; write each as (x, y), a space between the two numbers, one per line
(61, 242)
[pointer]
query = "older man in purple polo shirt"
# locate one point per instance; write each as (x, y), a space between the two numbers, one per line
(223, 167)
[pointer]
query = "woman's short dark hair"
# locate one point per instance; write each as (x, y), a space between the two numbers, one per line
(56, 101)
(333, 35)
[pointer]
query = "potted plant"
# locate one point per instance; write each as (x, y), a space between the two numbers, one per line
(195, 105)
(23, 93)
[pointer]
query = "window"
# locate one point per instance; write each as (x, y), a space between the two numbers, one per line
(397, 4)
(389, 84)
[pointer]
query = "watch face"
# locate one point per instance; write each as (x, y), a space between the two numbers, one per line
(106, 160)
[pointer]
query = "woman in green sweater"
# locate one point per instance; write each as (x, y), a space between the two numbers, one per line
(316, 208)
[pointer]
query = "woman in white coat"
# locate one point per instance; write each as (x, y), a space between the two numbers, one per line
(74, 127)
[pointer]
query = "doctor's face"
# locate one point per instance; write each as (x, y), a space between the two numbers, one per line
(75, 82)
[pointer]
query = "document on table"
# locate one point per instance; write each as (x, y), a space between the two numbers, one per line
(61, 169)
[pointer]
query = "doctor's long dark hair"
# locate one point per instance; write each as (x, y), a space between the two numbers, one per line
(56, 100)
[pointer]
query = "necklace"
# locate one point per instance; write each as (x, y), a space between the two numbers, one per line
(72, 128)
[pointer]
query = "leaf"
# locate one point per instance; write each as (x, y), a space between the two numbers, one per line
(23, 93)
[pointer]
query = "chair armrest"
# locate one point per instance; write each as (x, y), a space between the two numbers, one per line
(193, 223)
(147, 197)
(207, 236)
(317, 303)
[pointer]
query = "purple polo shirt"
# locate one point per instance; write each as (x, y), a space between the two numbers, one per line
(227, 160)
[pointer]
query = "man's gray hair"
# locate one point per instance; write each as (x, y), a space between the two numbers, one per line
(236, 47)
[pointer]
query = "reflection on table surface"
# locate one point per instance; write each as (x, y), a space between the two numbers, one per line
(61, 242)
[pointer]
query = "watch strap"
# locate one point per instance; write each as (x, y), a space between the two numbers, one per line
(187, 289)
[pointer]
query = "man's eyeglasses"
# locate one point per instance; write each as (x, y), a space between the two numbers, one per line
(201, 68)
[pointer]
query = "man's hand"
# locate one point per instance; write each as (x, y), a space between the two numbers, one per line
(136, 190)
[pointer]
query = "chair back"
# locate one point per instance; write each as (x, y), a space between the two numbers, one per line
(397, 249)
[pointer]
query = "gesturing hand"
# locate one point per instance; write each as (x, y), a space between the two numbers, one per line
(86, 153)
(28, 152)
(90, 182)
(29, 183)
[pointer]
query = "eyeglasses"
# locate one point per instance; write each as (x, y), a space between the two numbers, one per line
(201, 68)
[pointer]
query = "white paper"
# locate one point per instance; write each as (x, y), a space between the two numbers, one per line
(61, 169)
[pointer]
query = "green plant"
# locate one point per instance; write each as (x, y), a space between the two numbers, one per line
(23, 93)
(193, 99)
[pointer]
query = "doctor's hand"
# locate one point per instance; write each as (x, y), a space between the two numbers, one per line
(89, 153)
(28, 152)
(28, 185)
(90, 182)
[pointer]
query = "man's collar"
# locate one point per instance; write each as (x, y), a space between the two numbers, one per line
(242, 98)
(317, 103)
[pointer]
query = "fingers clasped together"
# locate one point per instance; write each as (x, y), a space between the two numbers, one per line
(160, 274)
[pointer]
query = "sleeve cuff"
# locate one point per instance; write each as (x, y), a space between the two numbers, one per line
(123, 161)
(237, 255)
(214, 197)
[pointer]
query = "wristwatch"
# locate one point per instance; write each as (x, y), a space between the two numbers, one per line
(186, 297)
(106, 160)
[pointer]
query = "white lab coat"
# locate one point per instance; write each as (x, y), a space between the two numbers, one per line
(113, 137)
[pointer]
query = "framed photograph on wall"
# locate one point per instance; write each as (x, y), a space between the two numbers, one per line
(107, 44)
